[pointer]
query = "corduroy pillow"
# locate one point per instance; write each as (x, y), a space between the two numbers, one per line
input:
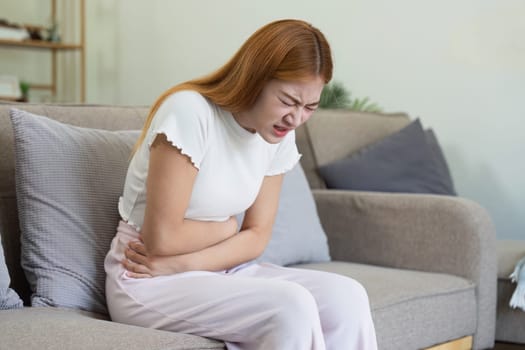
(68, 181)
(9, 299)
(297, 235)
(409, 160)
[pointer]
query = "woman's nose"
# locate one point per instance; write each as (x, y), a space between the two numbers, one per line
(294, 118)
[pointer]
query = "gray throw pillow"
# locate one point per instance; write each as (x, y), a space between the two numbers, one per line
(9, 299)
(297, 236)
(68, 181)
(439, 156)
(409, 160)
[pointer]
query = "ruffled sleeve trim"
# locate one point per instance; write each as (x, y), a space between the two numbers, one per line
(125, 217)
(196, 161)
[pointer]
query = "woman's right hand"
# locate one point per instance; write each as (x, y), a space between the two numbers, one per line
(139, 265)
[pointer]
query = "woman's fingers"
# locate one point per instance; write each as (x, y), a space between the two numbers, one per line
(135, 270)
(137, 275)
(136, 264)
(135, 257)
(138, 246)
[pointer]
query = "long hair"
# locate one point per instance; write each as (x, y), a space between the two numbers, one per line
(288, 50)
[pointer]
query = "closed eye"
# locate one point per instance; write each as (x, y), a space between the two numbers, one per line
(289, 104)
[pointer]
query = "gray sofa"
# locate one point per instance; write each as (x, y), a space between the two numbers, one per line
(428, 262)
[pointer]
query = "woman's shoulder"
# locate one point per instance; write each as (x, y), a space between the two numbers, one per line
(187, 98)
(186, 104)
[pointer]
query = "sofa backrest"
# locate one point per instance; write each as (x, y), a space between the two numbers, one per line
(329, 135)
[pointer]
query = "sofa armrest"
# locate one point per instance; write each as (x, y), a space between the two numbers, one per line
(413, 231)
(432, 233)
(53, 329)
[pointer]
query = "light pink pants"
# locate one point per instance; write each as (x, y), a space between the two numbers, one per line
(255, 306)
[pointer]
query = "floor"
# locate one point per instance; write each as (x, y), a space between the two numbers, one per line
(508, 346)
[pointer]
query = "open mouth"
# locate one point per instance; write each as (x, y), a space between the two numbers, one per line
(280, 131)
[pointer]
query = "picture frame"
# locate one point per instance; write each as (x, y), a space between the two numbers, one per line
(10, 88)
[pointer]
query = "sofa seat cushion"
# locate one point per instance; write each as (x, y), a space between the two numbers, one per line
(397, 298)
(53, 328)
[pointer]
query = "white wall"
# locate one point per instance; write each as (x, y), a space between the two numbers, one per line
(459, 65)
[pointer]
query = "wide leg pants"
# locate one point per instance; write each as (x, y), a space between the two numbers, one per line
(254, 306)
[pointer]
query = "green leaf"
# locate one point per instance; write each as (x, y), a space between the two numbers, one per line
(335, 95)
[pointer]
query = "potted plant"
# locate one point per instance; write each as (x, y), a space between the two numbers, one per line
(335, 95)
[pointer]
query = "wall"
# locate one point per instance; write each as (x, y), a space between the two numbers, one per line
(459, 66)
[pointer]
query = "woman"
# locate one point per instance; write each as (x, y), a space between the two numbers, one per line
(212, 148)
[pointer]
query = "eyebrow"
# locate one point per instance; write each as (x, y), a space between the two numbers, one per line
(296, 100)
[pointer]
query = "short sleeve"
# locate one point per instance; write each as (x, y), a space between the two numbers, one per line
(184, 118)
(285, 157)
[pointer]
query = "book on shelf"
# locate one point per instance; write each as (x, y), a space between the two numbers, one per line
(13, 33)
(7, 33)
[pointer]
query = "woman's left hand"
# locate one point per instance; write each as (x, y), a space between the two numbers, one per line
(139, 265)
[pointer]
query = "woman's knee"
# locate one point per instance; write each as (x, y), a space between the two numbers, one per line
(295, 305)
(346, 299)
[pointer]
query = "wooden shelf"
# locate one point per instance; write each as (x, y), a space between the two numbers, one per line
(55, 49)
(39, 44)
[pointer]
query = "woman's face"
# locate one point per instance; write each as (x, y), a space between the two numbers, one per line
(281, 107)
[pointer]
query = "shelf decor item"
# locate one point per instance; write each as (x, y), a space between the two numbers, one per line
(9, 88)
(52, 33)
(11, 31)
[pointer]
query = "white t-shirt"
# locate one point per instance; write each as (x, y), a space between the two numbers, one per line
(232, 162)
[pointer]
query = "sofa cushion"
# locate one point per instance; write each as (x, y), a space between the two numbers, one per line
(9, 299)
(103, 117)
(409, 160)
(398, 298)
(68, 183)
(297, 236)
(57, 329)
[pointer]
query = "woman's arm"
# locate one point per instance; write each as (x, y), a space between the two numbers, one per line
(171, 176)
(245, 246)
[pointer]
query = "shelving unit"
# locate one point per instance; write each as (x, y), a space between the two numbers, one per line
(55, 48)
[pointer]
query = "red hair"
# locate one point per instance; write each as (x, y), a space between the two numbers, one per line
(289, 50)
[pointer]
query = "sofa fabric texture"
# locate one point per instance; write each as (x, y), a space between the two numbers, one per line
(58, 329)
(426, 261)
